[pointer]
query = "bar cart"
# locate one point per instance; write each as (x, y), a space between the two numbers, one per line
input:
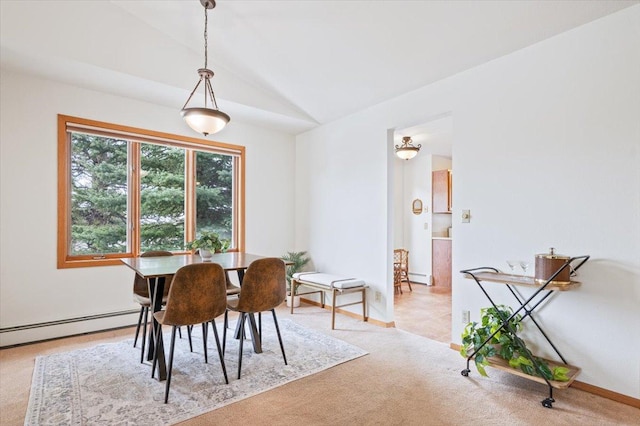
(526, 309)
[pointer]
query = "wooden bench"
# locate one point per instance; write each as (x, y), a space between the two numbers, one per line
(325, 283)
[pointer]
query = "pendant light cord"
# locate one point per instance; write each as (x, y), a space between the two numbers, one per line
(206, 21)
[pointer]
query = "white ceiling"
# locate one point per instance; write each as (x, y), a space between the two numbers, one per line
(288, 65)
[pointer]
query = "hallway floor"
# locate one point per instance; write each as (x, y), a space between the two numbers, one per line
(425, 311)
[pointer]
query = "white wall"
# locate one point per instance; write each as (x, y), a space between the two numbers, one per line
(32, 290)
(547, 153)
(415, 238)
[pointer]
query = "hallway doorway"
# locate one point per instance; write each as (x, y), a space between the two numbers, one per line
(426, 230)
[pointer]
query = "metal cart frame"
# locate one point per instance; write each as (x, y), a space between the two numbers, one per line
(527, 307)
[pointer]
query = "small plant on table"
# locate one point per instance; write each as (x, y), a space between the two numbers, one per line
(208, 240)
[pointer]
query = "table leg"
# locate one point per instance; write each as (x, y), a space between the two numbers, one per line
(156, 290)
(253, 331)
(253, 328)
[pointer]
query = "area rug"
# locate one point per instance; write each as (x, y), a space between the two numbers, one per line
(107, 384)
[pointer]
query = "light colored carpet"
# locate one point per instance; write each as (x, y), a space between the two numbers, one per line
(410, 380)
(106, 384)
(404, 380)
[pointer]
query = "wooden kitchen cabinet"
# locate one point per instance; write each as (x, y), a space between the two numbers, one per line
(441, 262)
(441, 191)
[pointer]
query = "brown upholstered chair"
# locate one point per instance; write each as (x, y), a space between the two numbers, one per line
(263, 289)
(401, 269)
(232, 290)
(197, 296)
(141, 296)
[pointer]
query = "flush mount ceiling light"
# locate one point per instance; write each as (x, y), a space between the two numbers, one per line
(407, 150)
(205, 120)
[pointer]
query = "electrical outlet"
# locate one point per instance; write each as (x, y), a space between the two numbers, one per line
(466, 317)
(378, 296)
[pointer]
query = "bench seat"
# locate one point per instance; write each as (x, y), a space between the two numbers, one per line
(335, 284)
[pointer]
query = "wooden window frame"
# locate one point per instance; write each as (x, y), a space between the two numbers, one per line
(68, 124)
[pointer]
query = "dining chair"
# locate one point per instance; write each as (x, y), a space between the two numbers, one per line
(141, 296)
(232, 290)
(264, 288)
(401, 269)
(197, 296)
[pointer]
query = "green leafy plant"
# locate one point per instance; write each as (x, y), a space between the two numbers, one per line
(300, 260)
(504, 345)
(209, 241)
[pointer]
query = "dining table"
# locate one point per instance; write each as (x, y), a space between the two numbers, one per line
(155, 269)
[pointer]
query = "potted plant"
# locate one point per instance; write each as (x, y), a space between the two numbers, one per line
(300, 260)
(207, 243)
(504, 345)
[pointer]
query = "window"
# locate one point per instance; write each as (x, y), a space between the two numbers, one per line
(123, 191)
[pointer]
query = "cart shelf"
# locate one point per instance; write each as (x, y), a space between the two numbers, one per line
(502, 364)
(520, 280)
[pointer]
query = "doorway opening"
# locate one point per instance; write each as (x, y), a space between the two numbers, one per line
(426, 234)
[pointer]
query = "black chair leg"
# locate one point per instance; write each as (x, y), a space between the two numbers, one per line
(224, 331)
(275, 321)
(260, 323)
(135, 339)
(204, 342)
(190, 342)
(173, 345)
(241, 319)
(144, 333)
(224, 367)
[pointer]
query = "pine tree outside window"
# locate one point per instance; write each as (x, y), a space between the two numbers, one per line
(123, 191)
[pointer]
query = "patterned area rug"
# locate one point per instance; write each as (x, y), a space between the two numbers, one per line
(107, 384)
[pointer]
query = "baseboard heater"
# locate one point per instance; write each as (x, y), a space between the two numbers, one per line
(68, 320)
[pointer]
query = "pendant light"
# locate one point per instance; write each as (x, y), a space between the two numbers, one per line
(407, 150)
(205, 120)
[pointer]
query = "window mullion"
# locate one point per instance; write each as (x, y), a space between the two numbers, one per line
(133, 231)
(190, 195)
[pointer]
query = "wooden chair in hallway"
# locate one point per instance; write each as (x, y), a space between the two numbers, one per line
(401, 269)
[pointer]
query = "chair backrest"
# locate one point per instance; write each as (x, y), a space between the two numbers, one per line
(198, 294)
(401, 258)
(140, 286)
(264, 286)
(405, 260)
(397, 256)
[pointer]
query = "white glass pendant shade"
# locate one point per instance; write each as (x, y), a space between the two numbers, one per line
(407, 153)
(407, 150)
(205, 120)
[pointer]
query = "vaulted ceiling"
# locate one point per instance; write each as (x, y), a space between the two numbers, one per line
(287, 65)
